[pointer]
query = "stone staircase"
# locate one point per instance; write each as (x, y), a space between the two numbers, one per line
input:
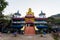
(29, 30)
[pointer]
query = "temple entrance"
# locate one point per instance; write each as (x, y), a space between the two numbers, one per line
(29, 29)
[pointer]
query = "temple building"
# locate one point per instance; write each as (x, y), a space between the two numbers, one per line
(29, 24)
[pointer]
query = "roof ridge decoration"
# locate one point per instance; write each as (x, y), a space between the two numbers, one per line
(41, 13)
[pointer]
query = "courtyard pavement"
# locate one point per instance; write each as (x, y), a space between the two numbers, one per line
(25, 37)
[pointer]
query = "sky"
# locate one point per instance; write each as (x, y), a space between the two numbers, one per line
(49, 7)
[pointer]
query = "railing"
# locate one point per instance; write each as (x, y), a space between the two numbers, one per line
(33, 22)
(41, 26)
(16, 26)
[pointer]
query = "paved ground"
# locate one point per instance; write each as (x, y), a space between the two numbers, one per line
(24, 37)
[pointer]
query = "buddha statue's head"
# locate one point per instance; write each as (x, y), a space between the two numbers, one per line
(29, 10)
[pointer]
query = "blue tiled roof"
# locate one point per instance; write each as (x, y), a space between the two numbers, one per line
(41, 26)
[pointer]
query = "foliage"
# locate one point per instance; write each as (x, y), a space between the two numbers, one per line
(51, 19)
(3, 5)
(57, 20)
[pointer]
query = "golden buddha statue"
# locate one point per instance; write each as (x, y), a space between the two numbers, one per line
(30, 12)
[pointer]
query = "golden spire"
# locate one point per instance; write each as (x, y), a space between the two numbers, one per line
(30, 12)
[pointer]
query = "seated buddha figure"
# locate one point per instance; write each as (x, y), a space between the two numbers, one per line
(30, 12)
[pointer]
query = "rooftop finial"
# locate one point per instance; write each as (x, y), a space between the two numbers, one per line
(41, 12)
(18, 11)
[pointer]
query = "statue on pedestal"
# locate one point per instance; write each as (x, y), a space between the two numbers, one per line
(30, 12)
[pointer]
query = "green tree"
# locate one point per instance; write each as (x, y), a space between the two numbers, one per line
(51, 19)
(3, 5)
(57, 20)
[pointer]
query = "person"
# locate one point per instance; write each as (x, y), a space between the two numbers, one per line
(15, 34)
(41, 33)
(44, 34)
